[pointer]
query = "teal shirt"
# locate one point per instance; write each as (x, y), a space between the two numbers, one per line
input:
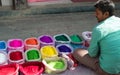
(105, 43)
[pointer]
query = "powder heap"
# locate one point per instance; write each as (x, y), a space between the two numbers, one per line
(58, 64)
(2, 45)
(61, 38)
(64, 48)
(46, 39)
(31, 70)
(32, 54)
(31, 41)
(75, 38)
(17, 55)
(7, 71)
(2, 58)
(15, 43)
(49, 50)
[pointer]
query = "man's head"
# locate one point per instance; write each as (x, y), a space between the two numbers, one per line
(104, 9)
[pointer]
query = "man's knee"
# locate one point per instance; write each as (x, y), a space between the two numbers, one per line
(80, 52)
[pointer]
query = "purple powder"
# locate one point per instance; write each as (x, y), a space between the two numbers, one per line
(46, 39)
(64, 48)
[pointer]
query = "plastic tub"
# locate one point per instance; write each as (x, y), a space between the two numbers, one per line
(48, 52)
(32, 68)
(55, 65)
(46, 40)
(61, 39)
(64, 48)
(3, 58)
(3, 46)
(16, 56)
(31, 43)
(15, 44)
(32, 55)
(87, 35)
(10, 69)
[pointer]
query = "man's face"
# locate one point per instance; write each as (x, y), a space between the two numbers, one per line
(99, 15)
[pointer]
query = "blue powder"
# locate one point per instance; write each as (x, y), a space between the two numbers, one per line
(64, 49)
(2, 45)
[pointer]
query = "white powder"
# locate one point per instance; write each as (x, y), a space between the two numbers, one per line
(2, 58)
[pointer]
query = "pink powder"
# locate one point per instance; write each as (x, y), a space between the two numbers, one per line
(15, 43)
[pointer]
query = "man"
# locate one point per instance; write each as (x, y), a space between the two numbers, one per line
(103, 54)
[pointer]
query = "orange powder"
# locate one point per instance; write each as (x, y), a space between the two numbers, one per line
(32, 41)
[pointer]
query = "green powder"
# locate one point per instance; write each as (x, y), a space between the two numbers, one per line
(57, 64)
(75, 38)
(61, 38)
(32, 54)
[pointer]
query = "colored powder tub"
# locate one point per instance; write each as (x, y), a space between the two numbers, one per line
(87, 35)
(32, 68)
(64, 48)
(10, 69)
(62, 39)
(32, 55)
(3, 58)
(76, 39)
(48, 51)
(31, 43)
(16, 56)
(55, 65)
(3, 46)
(15, 44)
(46, 40)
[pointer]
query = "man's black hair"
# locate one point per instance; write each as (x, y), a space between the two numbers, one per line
(105, 6)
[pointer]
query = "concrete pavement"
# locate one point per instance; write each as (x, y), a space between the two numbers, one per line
(52, 24)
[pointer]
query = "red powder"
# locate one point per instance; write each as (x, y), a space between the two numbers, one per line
(10, 69)
(31, 42)
(31, 69)
(16, 55)
(7, 71)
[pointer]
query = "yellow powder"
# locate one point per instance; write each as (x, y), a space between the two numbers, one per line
(49, 51)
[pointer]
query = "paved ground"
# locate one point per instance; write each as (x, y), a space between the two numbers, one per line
(52, 24)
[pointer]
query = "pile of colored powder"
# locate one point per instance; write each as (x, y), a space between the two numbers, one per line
(32, 70)
(61, 38)
(2, 45)
(31, 42)
(46, 39)
(15, 43)
(7, 70)
(64, 48)
(2, 58)
(49, 51)
(32, 54)
(17, 55)
(58, 64)
(75, 38)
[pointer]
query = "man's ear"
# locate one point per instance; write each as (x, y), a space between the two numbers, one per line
(106, 14)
